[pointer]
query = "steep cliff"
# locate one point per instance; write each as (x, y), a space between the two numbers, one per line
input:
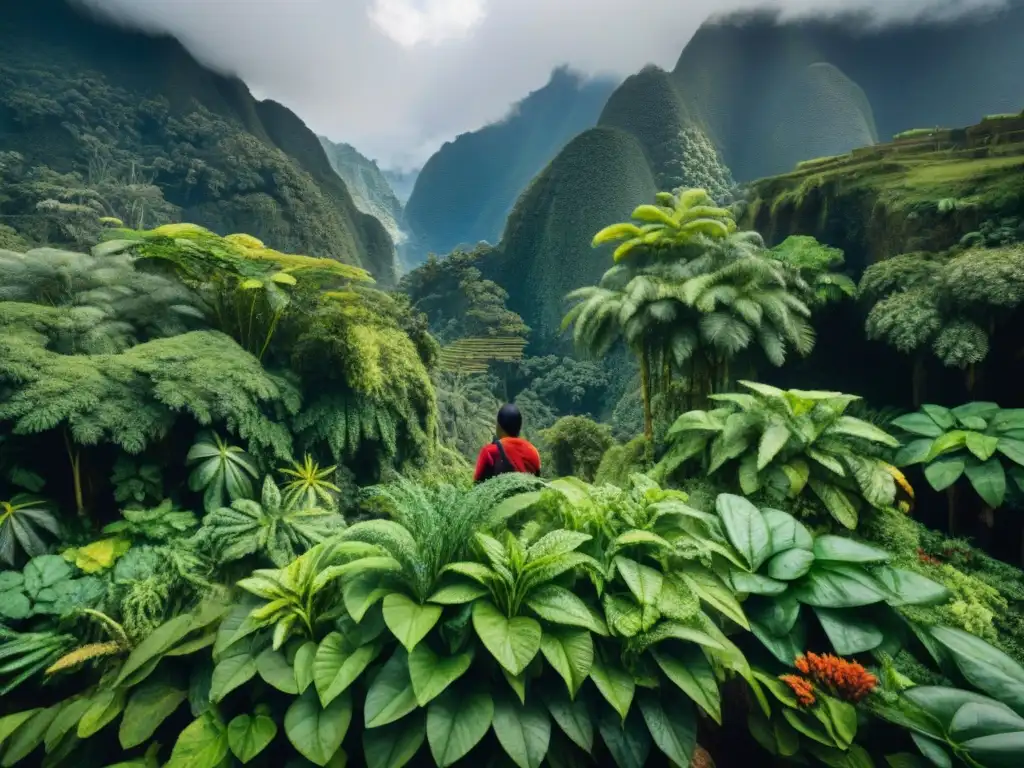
(131, 125)
(467, 189)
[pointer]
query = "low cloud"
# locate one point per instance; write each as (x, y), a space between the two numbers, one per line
(397, 78)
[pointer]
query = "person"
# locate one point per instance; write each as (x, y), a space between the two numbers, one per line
(509, 452)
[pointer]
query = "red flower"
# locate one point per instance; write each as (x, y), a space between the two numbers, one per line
(802, 688)
(846, 680)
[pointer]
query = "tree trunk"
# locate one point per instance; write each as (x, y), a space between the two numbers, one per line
(645, 394)
(75, 457)
(951, 509)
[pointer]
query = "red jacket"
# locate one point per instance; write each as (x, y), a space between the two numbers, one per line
(521, 455)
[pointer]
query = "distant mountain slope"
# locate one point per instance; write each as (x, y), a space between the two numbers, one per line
(546, 252)
(145, 133)
(368, 186)
(402, 182)
(465, 191)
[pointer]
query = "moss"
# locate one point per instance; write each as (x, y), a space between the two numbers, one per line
(915, 133)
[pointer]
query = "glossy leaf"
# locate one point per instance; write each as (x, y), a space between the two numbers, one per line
(393, 746)
(203, 744)
(524, 732)
(430, 674)
(848, 633)
(989, 481)
(390, 696)
(689, 669)
(248, 735)
(570, 652)
(150, 704)
(672, 724)
(842, 550)
(615, 684)
(408, 620)
(513, 642)
(315, 731)
(628, 742)
(573, 717)
(456, 723)
(746, 528)
(985, 667)
(790, 565)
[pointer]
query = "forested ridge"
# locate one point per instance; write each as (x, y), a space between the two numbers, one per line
(779, 515)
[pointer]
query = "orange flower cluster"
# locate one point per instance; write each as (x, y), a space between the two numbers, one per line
(846, 680)
(802, 688)
(927, 559)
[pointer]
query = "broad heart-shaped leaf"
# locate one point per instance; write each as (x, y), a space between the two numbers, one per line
(690, 670)
(456, 722)
(672, 723)
(976, 410)
(150, 704)
(786, 531)
(790, 565)
(941, 415)
(842, 550)
(945, 471)
(1012, 449)
(840, 586)
(628, 742)
(985, 667)
(572, 716)
(777, 614)
(848, 632)
(756, 584)
(947, 443)
(230, 673)
(746, 528)
(615, 684)
(914, 452)
(203, 744)
(645, 583)
(275, 670)
(335, 668)
(248, 735)
(431, 675)
(390, 696)
(1001, 750)
(910, 588)
(524, 732)
(560, 606)
(982, 446)
(394, 745)
(989, 480)
(409, 621)
(977, 719)
(314, 731)
(513, 642)
(570, 652)
(918, 424)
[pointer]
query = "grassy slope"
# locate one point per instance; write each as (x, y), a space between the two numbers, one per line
(466, 190)
(598, 178)
(316, 215)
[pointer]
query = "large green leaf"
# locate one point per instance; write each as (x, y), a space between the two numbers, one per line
(918, 424)
(784, 646)
(746, 528)
(1012, 449)
(628, 742)
(947, 443)
(303, 664)
(1002, 750)
(773, 440)
(28, 735)
(70, 713)
(842, 550)
(560, 606)
(777, 614)
(713, 591)
(941, 415)
(671, 722)
(976, 410)
(335, 667)
(983, 718)
(790, 565)
(315, 731)
(154, 645)
(150, 704)
(910, 588)
(786, 531)
(838, 587)
(943, 472)
(848, 632)
(837, 501)
(524, 732)
(570, 652)
(942, 704)
(456, 723)
(982, 446)
(230, 673)
(989, 480)
(203, 744)
(985, 667)
(755, 584)
(248, 735)
(851, 427)
(614, 683)
(914, 452)
(275, 670)
(689, 669)
(390, 696)
(573, 717)
(408, 620)
(431, 675)
(644, 582)
(105, 706)
(513, 642)
(393, 746)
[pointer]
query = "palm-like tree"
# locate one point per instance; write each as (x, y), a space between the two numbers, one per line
(676, 221)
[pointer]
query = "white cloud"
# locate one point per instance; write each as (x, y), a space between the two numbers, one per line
(397, 78)
(409, 22)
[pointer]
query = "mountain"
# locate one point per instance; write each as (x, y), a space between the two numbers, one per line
(467, 189)
(370, 189)
(99, 120)
(749, 97)
(402, 182)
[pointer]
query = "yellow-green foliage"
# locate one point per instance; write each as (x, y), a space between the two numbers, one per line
(915, 132)
(815, 162)
(576, 445)
(621, 461)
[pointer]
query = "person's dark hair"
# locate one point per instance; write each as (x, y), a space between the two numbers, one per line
(510, 420)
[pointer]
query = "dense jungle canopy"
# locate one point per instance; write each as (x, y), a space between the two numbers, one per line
(779, 519)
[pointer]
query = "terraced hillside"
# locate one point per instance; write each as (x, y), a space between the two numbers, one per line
(124, 124)
(922, 193)
(466, 190)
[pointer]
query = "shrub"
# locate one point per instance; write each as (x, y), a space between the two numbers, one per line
(576, 445)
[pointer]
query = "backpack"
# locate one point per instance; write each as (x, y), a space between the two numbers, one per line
(502, 465)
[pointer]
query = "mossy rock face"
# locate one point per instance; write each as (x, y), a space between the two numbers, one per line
(598, 179)
(467, 189)
(105, 103)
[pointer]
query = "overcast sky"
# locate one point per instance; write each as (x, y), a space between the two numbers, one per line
(397, 78)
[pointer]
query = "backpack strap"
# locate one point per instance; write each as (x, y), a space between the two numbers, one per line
(503, 465)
